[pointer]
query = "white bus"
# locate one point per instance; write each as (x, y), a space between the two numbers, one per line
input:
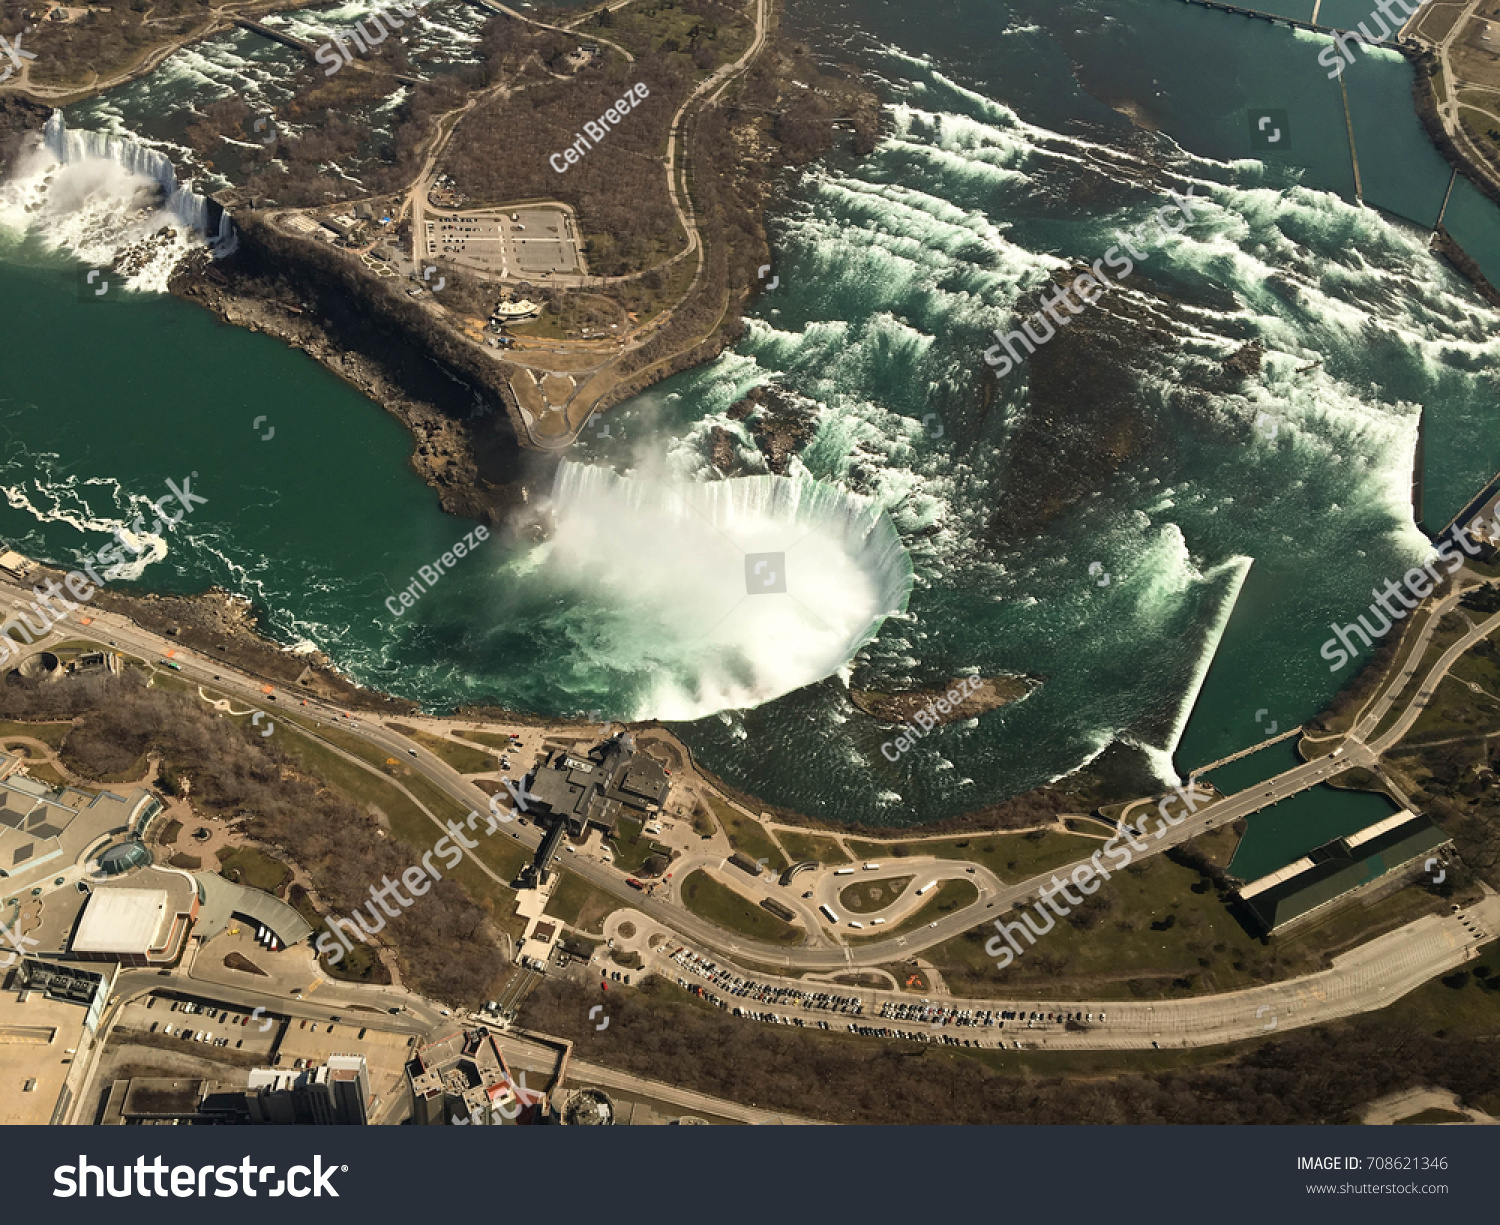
(926, 887)
(844, 872)
(852, 923)
(872, 867)
(828, 913)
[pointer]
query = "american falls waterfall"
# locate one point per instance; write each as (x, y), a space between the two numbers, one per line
(111, 202)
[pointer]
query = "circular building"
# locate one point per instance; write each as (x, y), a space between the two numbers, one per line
(124, 857)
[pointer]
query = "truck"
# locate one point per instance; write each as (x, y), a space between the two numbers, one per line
(828, 914)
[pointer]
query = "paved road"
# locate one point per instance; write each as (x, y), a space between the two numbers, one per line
(875, 952)
(1371, 976)
(522, 1053)
(1365, 978)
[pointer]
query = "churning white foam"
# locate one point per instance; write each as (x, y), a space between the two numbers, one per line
(108, 199)
(726, 594)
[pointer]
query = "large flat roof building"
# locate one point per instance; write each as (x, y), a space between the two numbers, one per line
(136, 926)
(598, 787)
(1338, 868)
(45, 829)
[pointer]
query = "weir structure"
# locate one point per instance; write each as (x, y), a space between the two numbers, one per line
(302, 45)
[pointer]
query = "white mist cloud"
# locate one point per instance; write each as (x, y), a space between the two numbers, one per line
(670, 563)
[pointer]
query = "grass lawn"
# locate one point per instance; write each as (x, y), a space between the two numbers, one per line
(578, 904)
(255, 868)
(50, 734)
(1456, 710)
(1162, 939)
(1157, 939)
(867, 897)
(631, 850)
(748, 835)
(1011, 857)
(460, 756)
(496, 740)
(1468, 1007)
(169, 832)
(725, 908)
(951, 895)
(45, 772)
(811, 846)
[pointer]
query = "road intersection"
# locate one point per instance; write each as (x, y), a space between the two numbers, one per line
(1366, 977)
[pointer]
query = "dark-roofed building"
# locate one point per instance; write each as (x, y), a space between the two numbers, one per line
(1338, 868)
(598, 787)
(71, 984)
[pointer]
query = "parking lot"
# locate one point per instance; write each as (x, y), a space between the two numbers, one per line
(523, 244)
(202, 1027)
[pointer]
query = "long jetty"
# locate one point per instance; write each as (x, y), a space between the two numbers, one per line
(1274, 18)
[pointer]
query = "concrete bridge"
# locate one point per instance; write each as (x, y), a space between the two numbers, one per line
(1275, 18)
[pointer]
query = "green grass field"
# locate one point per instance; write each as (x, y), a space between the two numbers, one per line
(495, 740)
(254, 868)
(951, 895)
(1011, 857)
(631, 848)
(725, 908)
(747, 835)
(50, 734)
(461, 757)
(810, 846)
(870, 897)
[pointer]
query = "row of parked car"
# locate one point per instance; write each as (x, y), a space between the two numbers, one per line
(928, 1013)
(195, 1035)
(924, 1012)
(763, 993)
(911, 1035)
